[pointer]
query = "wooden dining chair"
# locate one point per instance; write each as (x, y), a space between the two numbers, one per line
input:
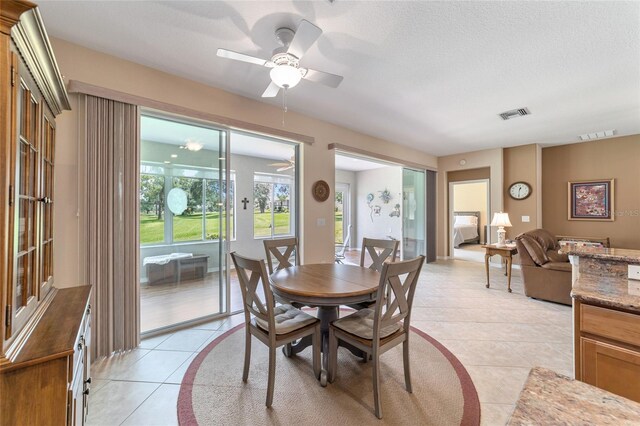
(378, 329)
(273, 325)
(379, 251)
(281, 250)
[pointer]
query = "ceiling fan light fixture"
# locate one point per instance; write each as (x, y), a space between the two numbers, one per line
(285, 76)
(192, 145)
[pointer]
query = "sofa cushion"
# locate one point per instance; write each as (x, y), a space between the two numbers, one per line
(534, 249)
(555, 256)
(558, 266)
(287, 319)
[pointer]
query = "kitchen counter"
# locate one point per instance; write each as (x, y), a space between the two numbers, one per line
(613, 292)
(611, 254)
(551, 398)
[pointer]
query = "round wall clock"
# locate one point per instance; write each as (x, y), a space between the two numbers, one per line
(320, 191)
(519, 190)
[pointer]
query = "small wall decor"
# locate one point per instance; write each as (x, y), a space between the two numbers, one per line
(376, 210)
(385, 196)
(320, 191)
(591, 200)
(370, 198)
(396, 211)
(244, 202)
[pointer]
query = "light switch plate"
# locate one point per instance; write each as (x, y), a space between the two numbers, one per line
(525, 219)
(634, 272)
(320, 221)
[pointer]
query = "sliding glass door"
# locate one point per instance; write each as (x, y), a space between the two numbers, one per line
(185, 216)
(413, 213)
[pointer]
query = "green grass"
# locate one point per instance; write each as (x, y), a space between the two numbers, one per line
(261, 222)
(189, 227)
(339, 227)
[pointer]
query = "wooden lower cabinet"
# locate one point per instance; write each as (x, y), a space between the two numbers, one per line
(47, 382)
(611, 368)
(607, 349)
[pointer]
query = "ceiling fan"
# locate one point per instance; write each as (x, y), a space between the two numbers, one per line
(285, 62)
(290, 164)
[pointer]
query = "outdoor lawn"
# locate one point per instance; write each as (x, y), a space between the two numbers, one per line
(189, 227)
(338, 227)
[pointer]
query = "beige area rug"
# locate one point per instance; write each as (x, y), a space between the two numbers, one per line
(212, 391)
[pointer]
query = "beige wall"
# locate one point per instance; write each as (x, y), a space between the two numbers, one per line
(617, 158)
(78, 63)
(472, 196)
(491, 158)
(521, 165)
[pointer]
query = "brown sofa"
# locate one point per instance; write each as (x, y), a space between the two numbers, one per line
(545, 272)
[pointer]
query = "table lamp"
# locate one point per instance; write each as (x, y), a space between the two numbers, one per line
(501, 220)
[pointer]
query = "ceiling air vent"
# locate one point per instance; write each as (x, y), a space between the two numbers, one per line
(597, 135)
(507, 115)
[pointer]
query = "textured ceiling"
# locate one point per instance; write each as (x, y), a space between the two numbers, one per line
(432, 75)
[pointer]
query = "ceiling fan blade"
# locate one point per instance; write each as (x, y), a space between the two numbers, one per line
(325, 78)
(272, 91)
(280, 164)
(230, 54)
(282, 169)
(305, 36)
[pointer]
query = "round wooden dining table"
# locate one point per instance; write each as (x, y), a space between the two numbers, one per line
(326, 286)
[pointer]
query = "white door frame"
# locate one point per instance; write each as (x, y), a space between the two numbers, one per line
(450, 226)
(345, 188)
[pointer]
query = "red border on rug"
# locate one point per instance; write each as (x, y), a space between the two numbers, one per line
(470, 411)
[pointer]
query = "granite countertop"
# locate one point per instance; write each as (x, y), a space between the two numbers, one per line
(551, 398)
(614, 292)
(617, 254)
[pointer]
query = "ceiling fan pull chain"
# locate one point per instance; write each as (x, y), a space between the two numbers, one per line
(284, 104)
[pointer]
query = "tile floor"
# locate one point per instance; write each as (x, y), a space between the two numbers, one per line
(496, 335)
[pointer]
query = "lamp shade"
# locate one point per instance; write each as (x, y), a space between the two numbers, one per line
(285, 76)
(500, 219)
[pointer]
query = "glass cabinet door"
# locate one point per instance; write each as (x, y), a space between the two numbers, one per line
(25, 201)
(46, 204)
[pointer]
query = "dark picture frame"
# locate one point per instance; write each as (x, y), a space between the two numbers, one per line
(591, 200)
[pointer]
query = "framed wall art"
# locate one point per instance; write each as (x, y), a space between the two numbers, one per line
(591, 200)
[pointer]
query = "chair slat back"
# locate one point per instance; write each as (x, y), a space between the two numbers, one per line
(398, 282)
(253, 277)
(281, 249)
(379, 250)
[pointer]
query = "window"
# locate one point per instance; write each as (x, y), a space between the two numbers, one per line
(272, 205)
(200, 221)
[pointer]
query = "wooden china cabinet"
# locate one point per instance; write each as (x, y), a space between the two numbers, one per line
(45, 331)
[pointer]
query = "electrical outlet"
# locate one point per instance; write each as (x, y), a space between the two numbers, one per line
(634, 272)
(525, 219)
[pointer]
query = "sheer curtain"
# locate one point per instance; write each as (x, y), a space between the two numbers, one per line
(111, 241)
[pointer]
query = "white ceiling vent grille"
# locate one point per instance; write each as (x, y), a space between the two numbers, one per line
(507, 115)
(597, 135)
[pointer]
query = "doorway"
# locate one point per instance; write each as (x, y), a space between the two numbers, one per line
(379, 199)
(183, 221)
(469, 207)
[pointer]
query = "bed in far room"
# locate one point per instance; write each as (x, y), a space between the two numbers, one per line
(466, 228)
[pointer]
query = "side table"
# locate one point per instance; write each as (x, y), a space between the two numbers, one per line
(506, 253)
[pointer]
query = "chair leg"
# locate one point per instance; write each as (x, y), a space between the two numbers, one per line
(247, 355)
(317, 343)
(407, 367)
(272, 375)
(333, 355)
(376, 384)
